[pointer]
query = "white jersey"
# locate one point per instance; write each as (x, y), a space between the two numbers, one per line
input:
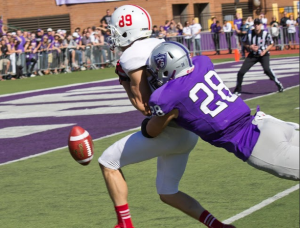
(137, 54)
(291, 27)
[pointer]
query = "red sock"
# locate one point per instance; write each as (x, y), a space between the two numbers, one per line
(209, 220)
(124, 217)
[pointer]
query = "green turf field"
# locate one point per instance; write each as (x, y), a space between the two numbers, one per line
(53, 191)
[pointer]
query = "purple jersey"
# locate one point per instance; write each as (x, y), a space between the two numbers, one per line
(77, 40)
(22, 43)
(207, 108)
(238, 23)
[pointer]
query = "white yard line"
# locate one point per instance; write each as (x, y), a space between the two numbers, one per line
(261, 204)
(107, 136)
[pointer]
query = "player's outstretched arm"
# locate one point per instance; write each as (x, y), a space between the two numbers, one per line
(158, 123)
(140, 92)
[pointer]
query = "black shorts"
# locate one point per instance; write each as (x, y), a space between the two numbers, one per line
(291, 36)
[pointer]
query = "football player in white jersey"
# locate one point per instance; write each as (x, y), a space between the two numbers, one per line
(130, 28)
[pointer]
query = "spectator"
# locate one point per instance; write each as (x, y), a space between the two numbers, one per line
(71, 52)
(43, 48)
(39, 36)
(187, 32)
(77, 30)
(264, 21)
(228, 33)
(196, 29)
(106, 19)
(217, 29)
(20, 57)
(275, 32)
(167, 25)
(49, 35)
(78, 40)
(155, 32)
(237, 25)
(213, 24)
(162, 32)
(31, 58)
(291, 25)
(86, 41)
(4, 58)
(172, 33)
(179, 28)
(242, 34)
(56, 52)
(102, 28)
(12, 55)
(250, 23)
(99, 50)
(283, 21)
(2, 31)
(212, 29)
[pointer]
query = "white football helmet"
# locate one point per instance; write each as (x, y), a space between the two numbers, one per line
(129, 23)
(169, 60)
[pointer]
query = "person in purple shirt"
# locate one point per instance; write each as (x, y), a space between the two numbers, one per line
(216, 30)
(194, 96)
(49, 35)
(237, 25)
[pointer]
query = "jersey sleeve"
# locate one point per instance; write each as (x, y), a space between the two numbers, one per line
(160, 103)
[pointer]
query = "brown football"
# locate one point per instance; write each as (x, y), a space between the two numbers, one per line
(81, 145)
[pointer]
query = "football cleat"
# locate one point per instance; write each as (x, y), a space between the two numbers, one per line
(280, 87)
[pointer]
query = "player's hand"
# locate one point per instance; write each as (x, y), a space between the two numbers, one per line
(263, 53)
(254, 47)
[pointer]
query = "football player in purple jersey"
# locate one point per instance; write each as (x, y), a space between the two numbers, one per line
(195, 97)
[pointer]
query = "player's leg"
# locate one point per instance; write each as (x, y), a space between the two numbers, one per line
(136, 148)
(247, 64)
(170, 169)
(277, 149)
(265, 62)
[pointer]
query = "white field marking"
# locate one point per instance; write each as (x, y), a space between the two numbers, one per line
(261, 204)
(107, 136)
(49, 151)
(297, 108)
(57, 87)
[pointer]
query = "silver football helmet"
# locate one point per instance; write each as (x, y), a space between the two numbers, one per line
(169, 60)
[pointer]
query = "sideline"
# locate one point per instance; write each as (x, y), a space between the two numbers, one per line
(105, 80)
(261, 204)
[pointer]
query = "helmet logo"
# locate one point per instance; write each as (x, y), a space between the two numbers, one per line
(160, 60)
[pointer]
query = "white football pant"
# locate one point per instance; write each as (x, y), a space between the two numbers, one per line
(172, 147)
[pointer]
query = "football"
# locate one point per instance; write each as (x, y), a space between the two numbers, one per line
(81, 145)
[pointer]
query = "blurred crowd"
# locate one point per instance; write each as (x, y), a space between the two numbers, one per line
(41, 52)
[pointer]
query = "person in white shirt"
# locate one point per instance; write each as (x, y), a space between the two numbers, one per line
(196, 29)
(187, 32)
(264, 21)
(227, 29)
(291, 24)
(250, 23)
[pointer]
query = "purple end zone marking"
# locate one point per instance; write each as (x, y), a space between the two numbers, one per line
(97, 125)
